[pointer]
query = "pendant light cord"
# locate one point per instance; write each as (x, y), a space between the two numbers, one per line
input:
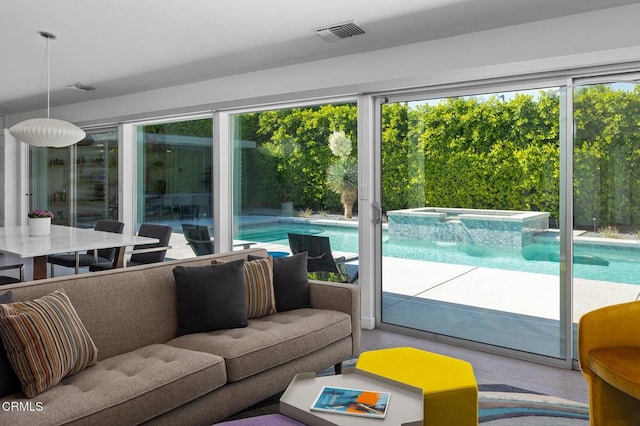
(49, 36)
(48, 79)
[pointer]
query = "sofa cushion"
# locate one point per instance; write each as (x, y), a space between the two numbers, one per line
(290, 282)
(127, 389)
(45, 341)
(258, 282)
(270, 341)
(210, 297)
(9, 382)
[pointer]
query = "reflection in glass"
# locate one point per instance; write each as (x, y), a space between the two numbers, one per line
(174, 169)
(79, 183)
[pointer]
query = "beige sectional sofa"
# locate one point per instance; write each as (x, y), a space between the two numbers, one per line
(146, 373)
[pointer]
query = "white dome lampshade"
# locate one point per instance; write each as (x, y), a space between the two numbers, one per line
(47, 132)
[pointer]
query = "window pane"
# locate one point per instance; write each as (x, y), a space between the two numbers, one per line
(287, 179)
(470, 192)
(80, 182)
(606, 208)
(174, 175)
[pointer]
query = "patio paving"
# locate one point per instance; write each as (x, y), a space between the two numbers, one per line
(516, 292)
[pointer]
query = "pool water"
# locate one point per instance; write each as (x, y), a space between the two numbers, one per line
(623, 267)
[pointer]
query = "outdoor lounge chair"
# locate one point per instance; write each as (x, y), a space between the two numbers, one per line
(198, 238)
(320, 258)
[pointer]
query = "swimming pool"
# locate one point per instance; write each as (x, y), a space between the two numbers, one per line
(624, 263)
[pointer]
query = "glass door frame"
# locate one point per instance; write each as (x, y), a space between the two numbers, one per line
(565, 184)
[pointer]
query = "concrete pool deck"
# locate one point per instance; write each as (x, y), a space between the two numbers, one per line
(524, 293)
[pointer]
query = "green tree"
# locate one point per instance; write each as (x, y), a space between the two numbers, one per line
(302, 134)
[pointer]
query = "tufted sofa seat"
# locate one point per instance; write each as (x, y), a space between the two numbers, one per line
(270, 341)
(121, 389)
(146, 374)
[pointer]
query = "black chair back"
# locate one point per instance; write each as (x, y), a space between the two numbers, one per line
(108, 226)
(152, 230)
(319, 256)
(198, 238)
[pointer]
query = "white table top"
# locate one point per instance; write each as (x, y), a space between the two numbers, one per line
(405, 405)
(16, 240)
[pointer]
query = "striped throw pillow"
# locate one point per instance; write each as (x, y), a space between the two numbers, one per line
(45, 341)
(258, 281)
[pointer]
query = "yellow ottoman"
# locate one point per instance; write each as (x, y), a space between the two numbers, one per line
(449, 385)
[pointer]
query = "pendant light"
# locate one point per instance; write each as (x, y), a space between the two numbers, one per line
(47, 131)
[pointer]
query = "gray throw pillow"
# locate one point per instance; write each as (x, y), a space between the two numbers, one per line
(211, 297)
(290, 282)
(9, 382)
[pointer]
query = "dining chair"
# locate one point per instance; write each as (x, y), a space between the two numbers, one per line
(5, 279)
(76, 260)
(144, 253)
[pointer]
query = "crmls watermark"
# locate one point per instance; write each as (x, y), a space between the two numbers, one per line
(22, 406)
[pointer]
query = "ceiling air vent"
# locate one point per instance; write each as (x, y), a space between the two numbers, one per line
(340, 31)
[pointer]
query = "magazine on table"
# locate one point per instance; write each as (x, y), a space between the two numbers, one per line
(356, 402)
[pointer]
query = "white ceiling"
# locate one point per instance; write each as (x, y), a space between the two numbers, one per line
(129, 46)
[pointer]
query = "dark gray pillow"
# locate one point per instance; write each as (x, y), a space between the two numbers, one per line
(9, 382)
(290, 282)
(211, 297)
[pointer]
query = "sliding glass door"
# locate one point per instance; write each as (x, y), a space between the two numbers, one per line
(471, 208)
(295, 171)
(606, 159)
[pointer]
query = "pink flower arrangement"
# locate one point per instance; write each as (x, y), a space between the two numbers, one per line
(40, 213)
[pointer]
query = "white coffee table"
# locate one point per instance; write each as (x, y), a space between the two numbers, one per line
(405, 404)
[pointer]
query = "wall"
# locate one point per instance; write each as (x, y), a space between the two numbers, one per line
(11, 207)
(590, 39)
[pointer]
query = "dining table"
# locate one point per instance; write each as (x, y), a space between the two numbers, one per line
(16, 241)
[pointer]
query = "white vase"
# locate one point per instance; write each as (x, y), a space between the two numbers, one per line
(39, 226)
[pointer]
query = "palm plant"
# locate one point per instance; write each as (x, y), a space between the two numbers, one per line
(342, 178)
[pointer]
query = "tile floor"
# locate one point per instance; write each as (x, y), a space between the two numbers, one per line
(490, 368)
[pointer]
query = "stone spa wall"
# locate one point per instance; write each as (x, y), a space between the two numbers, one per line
(508, 228)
